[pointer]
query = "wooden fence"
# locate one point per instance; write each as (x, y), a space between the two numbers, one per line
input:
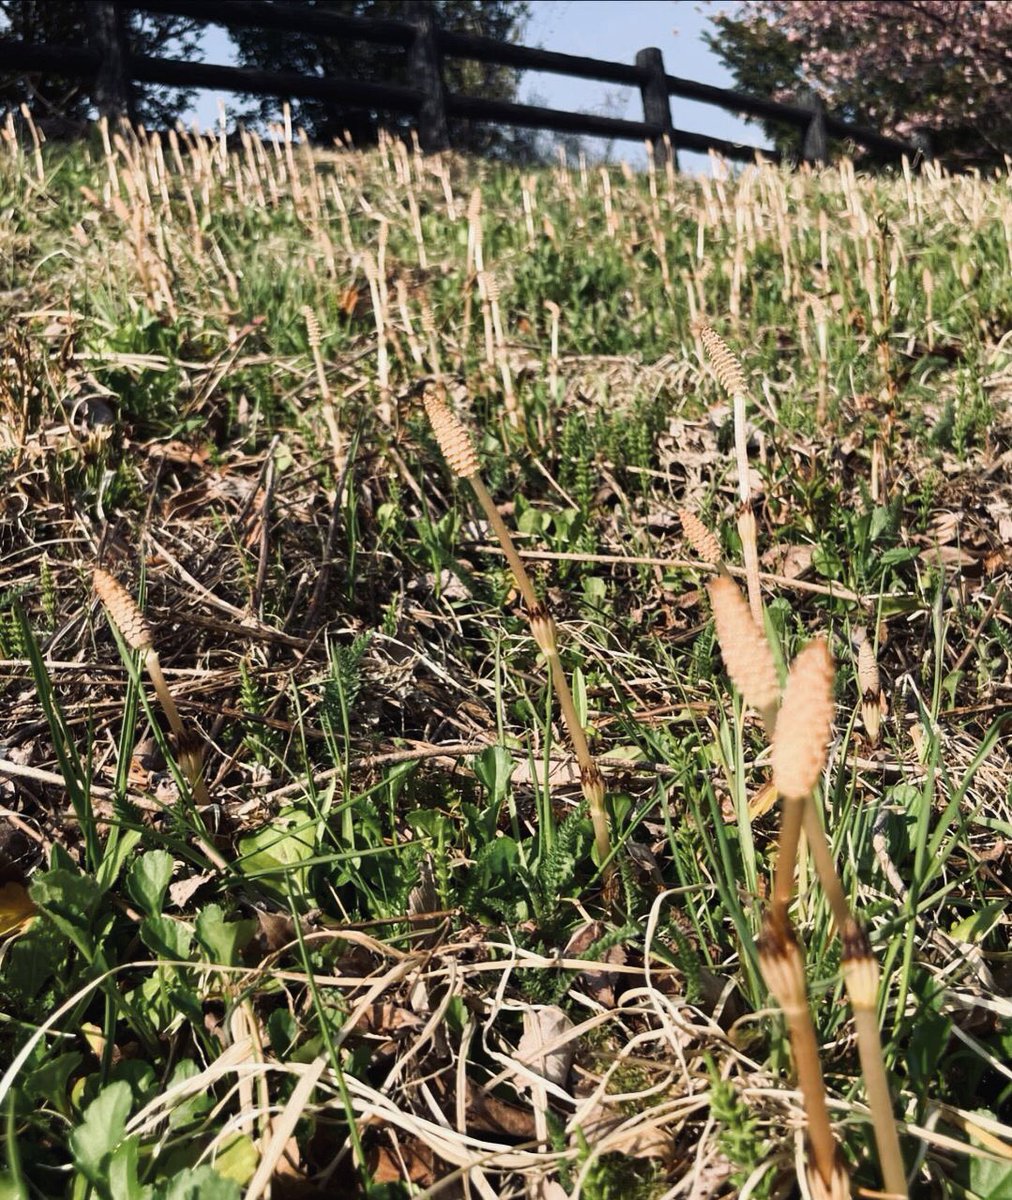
(112, 69)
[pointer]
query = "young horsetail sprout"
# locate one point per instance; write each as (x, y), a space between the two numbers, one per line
(870, 688)
(132, 624)
(861, 976)
(799, 756)
(783, 967)
(732, 379)
(462, 460)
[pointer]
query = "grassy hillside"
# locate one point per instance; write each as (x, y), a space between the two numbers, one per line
(374, 949)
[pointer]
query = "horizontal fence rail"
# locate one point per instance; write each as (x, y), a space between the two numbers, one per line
(109, 65)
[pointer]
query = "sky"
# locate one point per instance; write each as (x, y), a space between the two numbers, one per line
(604, 29)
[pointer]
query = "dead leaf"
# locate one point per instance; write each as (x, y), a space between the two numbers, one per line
(16, 909)
(410, 1160)
(543, 1047)
(598, 983)
(560, 774)
(762, 801)
(182, 890)
(647, 1140)
(791, 561)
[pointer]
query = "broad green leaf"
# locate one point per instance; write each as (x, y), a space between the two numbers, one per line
(827, 562)
(124, 1183)
(148, 880)
(184, 1112)
(881, 521)
(223, 940)
(101, 1130)
(33, 959)
(579, 689)
(71, 901)
(988, 1179)
(494, 767)
(237, 1159)
(114, 860)
(51, 1080)
(167, 938)
(276, 852)
(595, 590)
(979, 924)
(200, 1183)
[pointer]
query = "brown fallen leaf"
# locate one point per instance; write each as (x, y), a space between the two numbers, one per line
(16, 909)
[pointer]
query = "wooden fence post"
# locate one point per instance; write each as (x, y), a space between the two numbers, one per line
(814, 144)
(113, 95)
(656, 107)
(425, 65)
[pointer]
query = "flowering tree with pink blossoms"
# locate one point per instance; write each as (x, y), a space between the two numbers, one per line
(936, 68)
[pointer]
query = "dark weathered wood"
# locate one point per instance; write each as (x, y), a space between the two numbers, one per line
(530, 58)
(112, 93)
(871, 139)
(656, 106)
(27, 58)
(739, 102)
(700, 143)
(276, 83)
(426, 69)
(814, 143)
(531, 116)
(290, 16)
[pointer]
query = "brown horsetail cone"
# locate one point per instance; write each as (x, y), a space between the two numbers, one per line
(871, 690)
(747, 654)
(453, 438)
(699, 537)
(313, 332)
(804, 723)
(725, 365)
(123, 611)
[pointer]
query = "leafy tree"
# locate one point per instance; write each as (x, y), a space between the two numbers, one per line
(65, 101)
(278, 50)
(940, 68)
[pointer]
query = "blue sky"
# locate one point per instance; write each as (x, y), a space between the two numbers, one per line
(606, 29)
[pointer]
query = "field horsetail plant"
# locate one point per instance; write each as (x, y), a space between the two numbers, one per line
(799, 726)
(771, 961)
(459, 453)
(132, 624)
